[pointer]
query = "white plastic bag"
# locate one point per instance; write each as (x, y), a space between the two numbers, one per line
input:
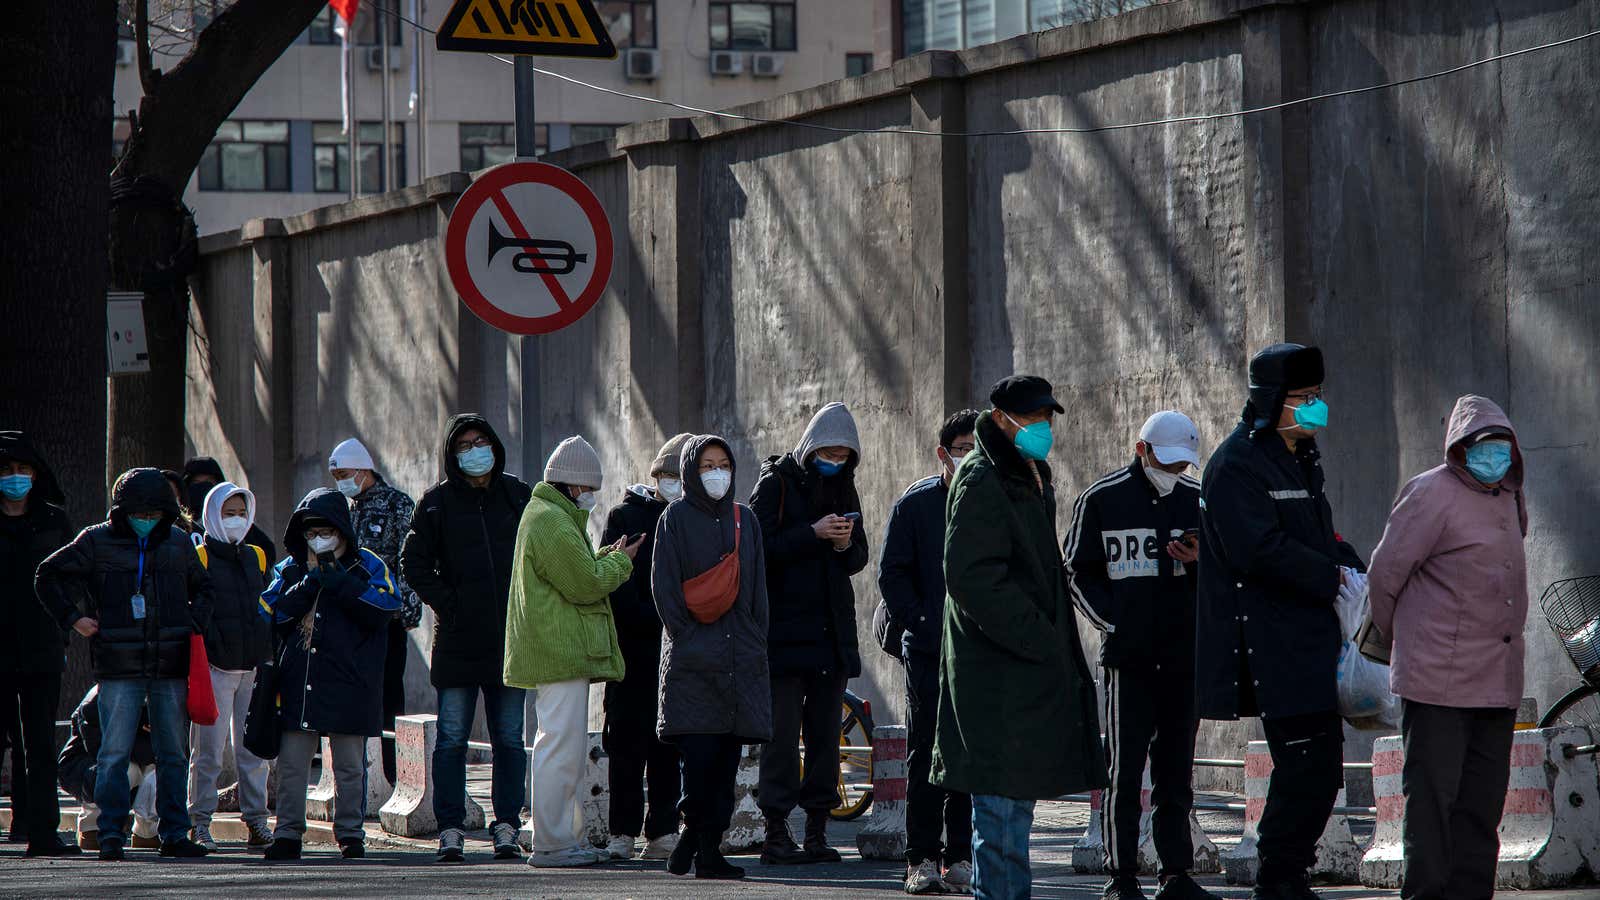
(1352, 604)
(1365, 700)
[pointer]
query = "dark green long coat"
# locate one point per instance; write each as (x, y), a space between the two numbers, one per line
(1017, 715)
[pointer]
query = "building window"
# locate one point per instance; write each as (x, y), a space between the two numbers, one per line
(485, 144)
(857, 64)
(632, 23)
(959, 24)
(587, 134)
(247, 156)
(330, 155)
(752, 26)
(321, 29)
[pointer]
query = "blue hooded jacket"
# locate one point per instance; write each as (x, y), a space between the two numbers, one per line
(332, 627)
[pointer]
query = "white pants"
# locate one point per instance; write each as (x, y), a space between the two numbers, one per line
(143, 783)
(207, 742)
(558, 754)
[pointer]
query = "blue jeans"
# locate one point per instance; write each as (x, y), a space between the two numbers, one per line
(1000, 828)
(120, 705)
(503, 708)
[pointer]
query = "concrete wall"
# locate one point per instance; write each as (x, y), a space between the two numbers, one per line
(1430, 237)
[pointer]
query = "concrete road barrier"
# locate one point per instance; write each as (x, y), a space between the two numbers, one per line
(594, 798)
(319, 797)
(409, 810)
(1089, 853)
(884, 835)
(1338, 853)
(749, 828)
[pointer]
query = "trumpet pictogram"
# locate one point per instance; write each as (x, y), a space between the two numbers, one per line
(538, 257)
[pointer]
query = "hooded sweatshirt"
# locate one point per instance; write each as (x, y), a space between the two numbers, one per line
(238, 638)
(30, 640)
(458, 557)
(714, 675)
(1449, 581)
(207, 468)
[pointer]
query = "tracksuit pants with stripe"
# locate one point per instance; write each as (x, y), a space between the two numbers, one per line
(1149, 715)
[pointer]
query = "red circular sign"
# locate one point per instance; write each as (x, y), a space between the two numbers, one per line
(529, 248)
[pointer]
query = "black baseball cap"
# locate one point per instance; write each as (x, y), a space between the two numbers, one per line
(1023, 394)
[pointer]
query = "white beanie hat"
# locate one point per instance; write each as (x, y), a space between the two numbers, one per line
(575, 463)
(350, 454)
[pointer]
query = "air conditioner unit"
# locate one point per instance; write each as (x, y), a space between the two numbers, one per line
(726, 62)
(375, 59)
(641, 63)
(124, 53)
(766, 65)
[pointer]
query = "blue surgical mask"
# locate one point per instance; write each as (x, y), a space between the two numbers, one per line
(15, 487)
(826, 467)
(1312, 415)
(1489, 461)
(143, 527)
(477, 461)
(1032, 441)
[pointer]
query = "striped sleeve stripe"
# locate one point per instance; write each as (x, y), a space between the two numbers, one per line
(1078, 599)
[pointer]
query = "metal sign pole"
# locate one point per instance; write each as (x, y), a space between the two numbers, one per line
(532, 401)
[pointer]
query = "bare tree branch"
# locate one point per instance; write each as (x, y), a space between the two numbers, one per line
(141, 40)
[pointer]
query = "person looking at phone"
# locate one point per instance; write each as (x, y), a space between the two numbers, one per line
(1130, 561)
(814, 541)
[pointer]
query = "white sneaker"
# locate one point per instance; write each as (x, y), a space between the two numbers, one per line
(202, 836)
(661, 847)
(958, 877)
(621, 847)
(570, 858)
(923, 878)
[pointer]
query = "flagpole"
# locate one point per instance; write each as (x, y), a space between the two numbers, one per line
(420, 8)
(386, 167)
(352, 122)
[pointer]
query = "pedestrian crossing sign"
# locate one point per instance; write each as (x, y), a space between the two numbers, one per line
(532, 27)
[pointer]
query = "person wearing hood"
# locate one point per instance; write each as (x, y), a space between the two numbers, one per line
(815, 542)
(1449, 583)
(709, 583)
(629, 737)
(381, 515)
(458, 557)
(185, 523)
(32, 644)
(146, 592)
(238, 640)
(1267, 633)
(200, 474)
(1017, 720)
(330, 602)
(560, 638)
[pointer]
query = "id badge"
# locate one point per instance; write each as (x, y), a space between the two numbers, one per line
(137, 601)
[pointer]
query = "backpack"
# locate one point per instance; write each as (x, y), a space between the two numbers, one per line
(205, 558)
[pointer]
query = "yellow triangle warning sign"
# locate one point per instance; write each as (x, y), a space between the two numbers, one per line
(534, 27)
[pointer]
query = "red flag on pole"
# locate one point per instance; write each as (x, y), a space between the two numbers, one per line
(346, 9)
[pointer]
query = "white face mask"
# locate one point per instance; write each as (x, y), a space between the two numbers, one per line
(716, 482)
(1162, 480)
(321, 545)
(348, 487)
(586, 501)
(669, 489)
(234, 528)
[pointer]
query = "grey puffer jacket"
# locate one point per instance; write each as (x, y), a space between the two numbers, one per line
(714, 678)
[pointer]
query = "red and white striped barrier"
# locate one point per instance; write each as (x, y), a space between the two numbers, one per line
(1382, 864)
(884, 835)
(1338, 854)
(1089, 853)
(409, 810)
(319, 798)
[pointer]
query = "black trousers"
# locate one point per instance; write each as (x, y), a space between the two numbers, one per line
(1457, 767)
(33, 697)
(1150, 715)
(1307, 773)
(809, 704)
(931, 811)
(638, 759)
(394, 690)
(710, 765)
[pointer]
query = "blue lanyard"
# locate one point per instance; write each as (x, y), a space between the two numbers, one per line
(138, 586)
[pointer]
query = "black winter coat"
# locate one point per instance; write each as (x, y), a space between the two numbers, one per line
(239, 638)
(30, 640)
(812, 603)
(98, 574)
(332, 681)
(633, 608)
(458, 558)
(911, 568)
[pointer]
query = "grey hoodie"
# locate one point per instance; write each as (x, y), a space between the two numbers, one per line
(832, 426)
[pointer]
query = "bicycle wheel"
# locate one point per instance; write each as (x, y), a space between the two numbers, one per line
(1581, 707)
(855, 759)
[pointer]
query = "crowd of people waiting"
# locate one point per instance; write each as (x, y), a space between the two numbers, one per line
(716, 624)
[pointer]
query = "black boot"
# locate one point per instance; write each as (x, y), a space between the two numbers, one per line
(817, 849)
(780, 848)
(682, 858)
(709, 861)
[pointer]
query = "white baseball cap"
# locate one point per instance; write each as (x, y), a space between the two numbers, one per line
(1172, 437)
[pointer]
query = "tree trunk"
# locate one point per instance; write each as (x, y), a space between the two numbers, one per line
(56, 68)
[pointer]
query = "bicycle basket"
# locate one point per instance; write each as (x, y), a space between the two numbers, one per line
(1572, 607)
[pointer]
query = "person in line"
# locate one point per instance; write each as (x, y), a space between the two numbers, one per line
(77, 773)
(147, 593)
(381, 515)
(1267, 633)
(185, 523)
(560, 638)
(1449, 582)
(238, 640)
(911, 578)
(199, 476)
(331, 602)
(32, 658)
(1130, 557)
(1017, 720)
(709, 584)
(811, 522)
(629, 738)
(458, 557)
